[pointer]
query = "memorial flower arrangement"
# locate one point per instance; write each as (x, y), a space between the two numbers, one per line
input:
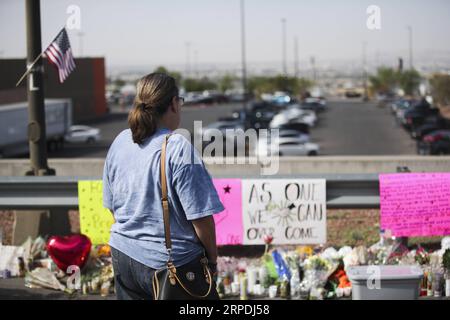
(421, 256)
(303, 272)
(44, 268)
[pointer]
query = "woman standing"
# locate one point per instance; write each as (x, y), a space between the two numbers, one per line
(132, 191)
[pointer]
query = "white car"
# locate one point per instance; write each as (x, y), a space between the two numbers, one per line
(286, 146)
(294, 114)
(82, 134)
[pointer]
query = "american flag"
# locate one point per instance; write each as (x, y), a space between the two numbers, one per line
(59, 53)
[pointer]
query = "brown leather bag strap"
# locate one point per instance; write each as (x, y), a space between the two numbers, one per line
(165, 198)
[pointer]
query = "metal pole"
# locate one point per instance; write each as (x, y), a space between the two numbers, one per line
(196, 72)
(243, 51)
(55, 221)
(411, 61)
(283, 24)
(188, 59)
(35, 92)
(313, 66)
(296, 57)
(366, 94)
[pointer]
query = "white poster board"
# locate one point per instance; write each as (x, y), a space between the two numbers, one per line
(293, 211)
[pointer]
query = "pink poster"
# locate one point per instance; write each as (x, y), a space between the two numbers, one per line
(415, 204)
(229, 227)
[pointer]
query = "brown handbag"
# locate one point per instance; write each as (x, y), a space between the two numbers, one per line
(190, 281)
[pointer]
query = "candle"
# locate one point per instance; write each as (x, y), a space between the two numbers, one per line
(447, 287)
(273, 291)
(236, 277)
(235, 288)
(263, 274)
(243, 287)
(252, 274)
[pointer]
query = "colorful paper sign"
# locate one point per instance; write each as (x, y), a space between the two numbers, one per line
(415, 204)
(293, 211)
(229, 227)
(95, 220)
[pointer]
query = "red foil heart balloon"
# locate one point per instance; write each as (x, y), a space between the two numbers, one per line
(69, 250)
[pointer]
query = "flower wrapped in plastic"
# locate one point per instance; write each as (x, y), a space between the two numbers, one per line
(315, 276)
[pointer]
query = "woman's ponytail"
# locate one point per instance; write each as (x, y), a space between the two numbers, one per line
(153, 97)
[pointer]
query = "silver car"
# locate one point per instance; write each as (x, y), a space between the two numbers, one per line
(82, 134)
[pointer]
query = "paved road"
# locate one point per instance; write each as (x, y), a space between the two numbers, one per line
(346, 128)
(356, 128)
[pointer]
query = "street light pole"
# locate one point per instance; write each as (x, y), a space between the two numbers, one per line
(188, 59)
(243, 58)
(313, 66)
(366, 94)
(296, 57)
(35, 93)
(196, 72)
(36, 223)
(411, 62)
(283, 24)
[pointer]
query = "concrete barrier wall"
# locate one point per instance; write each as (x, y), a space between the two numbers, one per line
(85, 167)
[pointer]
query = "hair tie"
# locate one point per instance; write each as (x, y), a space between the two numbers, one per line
(142, 106)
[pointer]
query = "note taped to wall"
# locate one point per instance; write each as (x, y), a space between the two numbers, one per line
(229, 229)
(95, 220)
(415, 204)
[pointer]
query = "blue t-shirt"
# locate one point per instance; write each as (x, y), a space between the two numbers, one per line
(132, 191)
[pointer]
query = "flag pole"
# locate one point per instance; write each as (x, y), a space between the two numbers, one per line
(29, 69)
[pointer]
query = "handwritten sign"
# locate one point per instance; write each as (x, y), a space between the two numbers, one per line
(415, 204)
(293, 211)
(95, 220)
(229, 227)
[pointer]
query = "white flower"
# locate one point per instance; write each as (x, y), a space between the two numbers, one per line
(445, 243)
(330, 254)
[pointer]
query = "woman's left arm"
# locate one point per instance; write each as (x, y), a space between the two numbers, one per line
(206, 232)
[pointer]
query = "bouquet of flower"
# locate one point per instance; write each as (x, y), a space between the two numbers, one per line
(421, 256)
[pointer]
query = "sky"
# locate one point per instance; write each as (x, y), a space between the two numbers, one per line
(138, 32)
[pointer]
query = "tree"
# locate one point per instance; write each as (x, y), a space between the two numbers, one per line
(293, 85)
(226, 82)
(409, 81)
(161, 69)
(385, 81)
(202, 84)
(440, 89)
(118, 83)
(173, 74)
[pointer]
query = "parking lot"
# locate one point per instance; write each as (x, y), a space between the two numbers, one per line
(348, 127)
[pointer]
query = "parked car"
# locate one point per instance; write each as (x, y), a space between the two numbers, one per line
(287, 133)
(430, 125)
(402, 104)
(300, 127)
(435, 143)
(281, 99)
(82, 134)
(353, 93)
(314, 104)
(226, 128)
(286, 146)
(260, 115)
(294, 114)
(416, 115)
